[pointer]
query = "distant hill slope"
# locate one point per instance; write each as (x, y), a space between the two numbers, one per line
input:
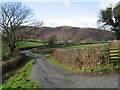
(72, 33)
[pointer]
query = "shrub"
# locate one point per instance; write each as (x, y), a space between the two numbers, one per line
(76, 41)
(89, 40)
(51, 41)
(5, 58)
(47, 51)
(13, 63)
(35, 50)
(65, 43)
(42, 51)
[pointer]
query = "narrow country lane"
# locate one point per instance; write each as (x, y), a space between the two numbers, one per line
(49, 75)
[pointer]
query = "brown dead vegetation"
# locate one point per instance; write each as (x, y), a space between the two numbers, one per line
(83, 57)
(14, 62)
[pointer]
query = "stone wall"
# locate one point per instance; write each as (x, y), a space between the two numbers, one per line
(83, 57)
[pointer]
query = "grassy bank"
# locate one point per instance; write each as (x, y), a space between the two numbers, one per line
(22, 78)
(77, 46)
(110, 68)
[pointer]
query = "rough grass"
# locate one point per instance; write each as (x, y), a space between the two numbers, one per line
(22, 78)
(77, 46)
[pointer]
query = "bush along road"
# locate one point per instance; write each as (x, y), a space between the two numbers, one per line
(49, 75)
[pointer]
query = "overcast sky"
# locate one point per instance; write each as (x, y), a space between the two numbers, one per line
(77, 13)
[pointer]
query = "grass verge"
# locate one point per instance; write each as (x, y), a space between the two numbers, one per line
(110, 68)
(22, 79)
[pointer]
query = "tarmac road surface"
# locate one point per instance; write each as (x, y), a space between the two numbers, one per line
(49, 75)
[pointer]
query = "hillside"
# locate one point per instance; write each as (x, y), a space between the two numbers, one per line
(72, 33)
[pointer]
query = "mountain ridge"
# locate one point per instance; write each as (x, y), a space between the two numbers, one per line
(72, 33)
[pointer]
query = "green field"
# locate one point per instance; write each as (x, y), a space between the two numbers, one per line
(77, 46)
(23, 44)
(30, 44)
(59, 42)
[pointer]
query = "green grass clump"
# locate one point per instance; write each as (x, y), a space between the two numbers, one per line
(22, 80)
(77, 46)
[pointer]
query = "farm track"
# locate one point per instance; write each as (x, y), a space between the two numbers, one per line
(49, 75)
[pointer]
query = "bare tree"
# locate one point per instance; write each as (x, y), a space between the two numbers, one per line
(51, 41)
(16, 23)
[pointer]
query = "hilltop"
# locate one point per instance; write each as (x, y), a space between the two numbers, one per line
(72, 33)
